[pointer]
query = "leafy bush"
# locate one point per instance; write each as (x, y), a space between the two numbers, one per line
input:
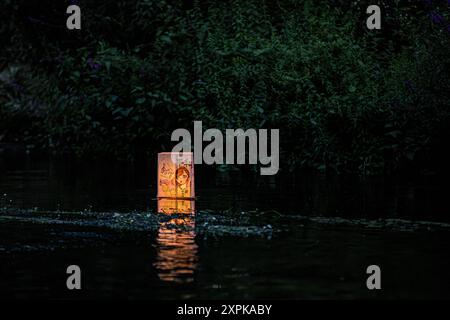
(344, 97)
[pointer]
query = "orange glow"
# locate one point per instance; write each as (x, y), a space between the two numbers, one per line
(171, 206)
(176, 175)
(176, 259)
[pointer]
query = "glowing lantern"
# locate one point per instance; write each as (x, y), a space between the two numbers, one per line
(171, 206)
(176, 175)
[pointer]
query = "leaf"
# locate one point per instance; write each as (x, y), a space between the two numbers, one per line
(166, 39)
(394, 133)
(140, 100)
(107, 65)
(126, 112)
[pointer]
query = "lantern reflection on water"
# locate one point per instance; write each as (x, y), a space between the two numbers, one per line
(176, 258)
(176, 175)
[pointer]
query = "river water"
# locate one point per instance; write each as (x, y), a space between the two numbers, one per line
(303, 236)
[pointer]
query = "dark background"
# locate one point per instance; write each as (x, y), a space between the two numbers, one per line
(346, 99)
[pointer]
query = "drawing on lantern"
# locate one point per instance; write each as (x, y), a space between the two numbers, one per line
(175, 175)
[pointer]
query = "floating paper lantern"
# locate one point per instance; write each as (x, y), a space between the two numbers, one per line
(170, 206)
(176, 175)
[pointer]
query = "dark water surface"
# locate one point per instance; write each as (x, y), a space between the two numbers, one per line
(252, 237)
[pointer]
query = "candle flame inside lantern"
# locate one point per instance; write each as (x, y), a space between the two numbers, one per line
(176, 175)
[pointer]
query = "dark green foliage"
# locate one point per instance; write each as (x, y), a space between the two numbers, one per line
(345, 98)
